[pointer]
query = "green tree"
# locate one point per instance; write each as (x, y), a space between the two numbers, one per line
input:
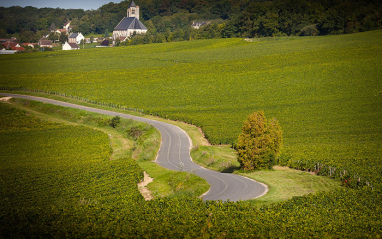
(115, 121)
(42, 24)
(259, 143)
(63, 37)
(53, 36)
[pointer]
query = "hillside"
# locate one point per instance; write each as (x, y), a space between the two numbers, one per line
(325, 91)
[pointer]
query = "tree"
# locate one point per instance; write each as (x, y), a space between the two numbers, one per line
(28, 36)
(63, 37)
(52, 27)
(42, 24)
(259, 143)
(53, 36)
(115, 121)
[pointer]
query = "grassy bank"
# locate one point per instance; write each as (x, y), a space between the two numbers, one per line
(143, 149)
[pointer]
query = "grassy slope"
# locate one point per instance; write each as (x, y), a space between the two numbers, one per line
(143, 150)
(325, 91)
(45, 164)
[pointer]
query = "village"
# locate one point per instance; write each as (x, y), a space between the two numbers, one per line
(126, 28)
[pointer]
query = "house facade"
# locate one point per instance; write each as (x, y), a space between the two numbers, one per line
(130, 24)
(70, 46)
(45, 43)
(67, 26)
(76, 38)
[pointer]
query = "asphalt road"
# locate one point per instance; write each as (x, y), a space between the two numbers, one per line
(174, 154)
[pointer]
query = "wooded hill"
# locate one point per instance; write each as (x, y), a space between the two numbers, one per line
(170, 20)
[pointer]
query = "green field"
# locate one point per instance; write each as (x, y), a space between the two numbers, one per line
(48, 164)
(66, 182)
(326, 92)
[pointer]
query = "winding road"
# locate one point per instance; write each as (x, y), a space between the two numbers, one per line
(174, 154)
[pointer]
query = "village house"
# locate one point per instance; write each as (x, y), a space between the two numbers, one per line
(130, 24)
(70, 46)
(76, 38)
(67, 26)
(45, 43)
(13, 39)
(12, 46)
(32, 45)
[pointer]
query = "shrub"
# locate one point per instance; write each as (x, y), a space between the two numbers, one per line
(115, 121)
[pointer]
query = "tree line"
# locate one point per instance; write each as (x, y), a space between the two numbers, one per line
(170, 20)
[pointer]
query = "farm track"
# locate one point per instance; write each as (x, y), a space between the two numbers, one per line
(174, 154)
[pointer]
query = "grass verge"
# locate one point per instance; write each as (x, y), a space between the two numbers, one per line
(285, 183)
(143, 149)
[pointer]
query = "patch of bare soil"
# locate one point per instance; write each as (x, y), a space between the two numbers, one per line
(143, 189)
(5, 99)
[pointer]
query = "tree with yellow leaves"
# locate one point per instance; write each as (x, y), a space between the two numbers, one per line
(259, 143)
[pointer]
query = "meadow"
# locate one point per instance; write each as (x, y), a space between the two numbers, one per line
(326, 92)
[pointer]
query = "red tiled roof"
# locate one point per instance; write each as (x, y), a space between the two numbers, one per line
(18, 48)
(9, 44)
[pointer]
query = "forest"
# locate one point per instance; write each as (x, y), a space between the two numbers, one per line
(170, 20)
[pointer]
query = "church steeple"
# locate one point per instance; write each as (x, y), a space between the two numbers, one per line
(133, 10)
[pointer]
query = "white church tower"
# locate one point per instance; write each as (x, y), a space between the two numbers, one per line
(133, 10)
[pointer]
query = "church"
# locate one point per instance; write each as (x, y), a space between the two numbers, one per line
(130, 24)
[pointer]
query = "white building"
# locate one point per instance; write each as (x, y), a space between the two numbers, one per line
(130, 24)
(70, 46)
(76, 38)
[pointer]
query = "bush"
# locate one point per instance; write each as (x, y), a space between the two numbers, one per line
(259, 143)
(115, 121)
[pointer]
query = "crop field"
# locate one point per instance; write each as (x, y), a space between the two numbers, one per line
(63, 184)
(326, 92)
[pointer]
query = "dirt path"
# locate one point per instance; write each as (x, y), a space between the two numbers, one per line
(143, 189)
(5, 99)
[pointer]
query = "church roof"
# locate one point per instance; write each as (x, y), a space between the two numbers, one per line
(132, 4)
(130, 23)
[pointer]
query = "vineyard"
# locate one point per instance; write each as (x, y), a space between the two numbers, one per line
(324, 91)
(63, 184)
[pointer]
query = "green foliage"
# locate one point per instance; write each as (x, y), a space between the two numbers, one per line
(135, 132)
(171, 20)
(259, 143)
(115, 121)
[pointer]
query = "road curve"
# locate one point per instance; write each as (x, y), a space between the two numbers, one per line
(174, 154)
